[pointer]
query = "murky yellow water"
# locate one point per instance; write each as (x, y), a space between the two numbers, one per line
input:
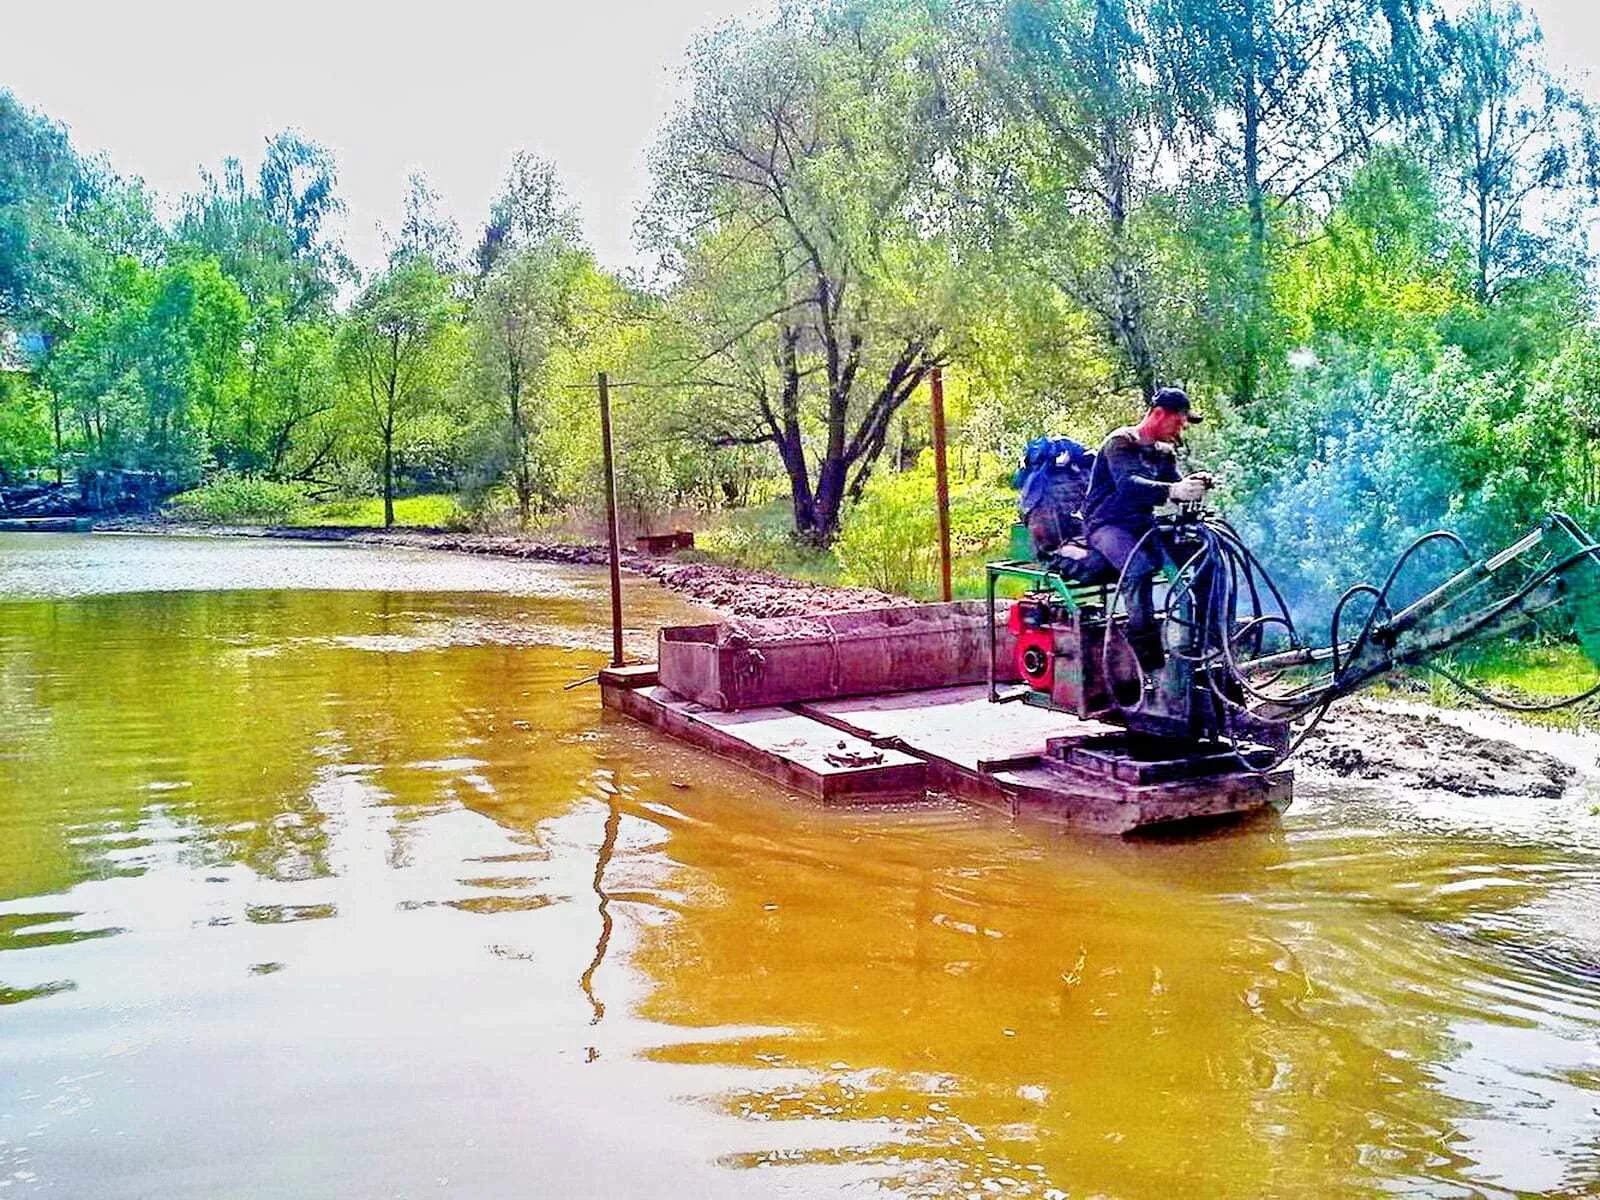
(320, 892)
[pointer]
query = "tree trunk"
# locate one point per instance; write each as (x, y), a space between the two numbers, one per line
(522, 477)
(830, 499)
(388, 478)
(1255, 261)
(55, 417)
(800, 495)
(1128, 330)
(906, 460)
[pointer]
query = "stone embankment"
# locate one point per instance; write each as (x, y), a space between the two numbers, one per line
(738, 591)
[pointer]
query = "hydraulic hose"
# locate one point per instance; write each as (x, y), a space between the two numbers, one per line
(1224, 598)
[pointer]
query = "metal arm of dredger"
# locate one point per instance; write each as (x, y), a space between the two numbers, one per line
(1555, 566)
(1253, 696)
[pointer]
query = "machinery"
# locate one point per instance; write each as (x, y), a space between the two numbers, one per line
(1239, 685)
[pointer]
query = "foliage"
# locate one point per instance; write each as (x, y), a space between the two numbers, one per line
(24, 427)
(890, 539)
(433, 511)
(395, 353)
(762, 536)
(523, 312)
(149, 377)
(236, 500)
(1515, 140)
(792, 206)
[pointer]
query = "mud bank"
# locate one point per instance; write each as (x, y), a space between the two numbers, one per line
(1398, 749)
(734, 590)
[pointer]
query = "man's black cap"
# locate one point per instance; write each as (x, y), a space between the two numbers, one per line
(1175, 400)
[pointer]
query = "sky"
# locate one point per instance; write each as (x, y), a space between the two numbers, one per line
(166, 87)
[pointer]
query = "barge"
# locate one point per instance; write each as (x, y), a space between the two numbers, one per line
(896, 704)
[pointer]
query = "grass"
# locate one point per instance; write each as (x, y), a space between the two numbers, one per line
(762, 536)
(1537, 670)
(1529, 672)
(436, 510)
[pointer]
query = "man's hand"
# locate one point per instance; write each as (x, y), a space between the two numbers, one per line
(1192, 487)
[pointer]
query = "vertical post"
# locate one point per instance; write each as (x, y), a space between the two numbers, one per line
(941, 482)
(611, 521)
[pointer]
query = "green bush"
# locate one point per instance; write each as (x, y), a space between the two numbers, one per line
(437, 510)
(890, 540)
(237, 500)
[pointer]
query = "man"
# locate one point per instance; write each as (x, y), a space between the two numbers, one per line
(1136, 470)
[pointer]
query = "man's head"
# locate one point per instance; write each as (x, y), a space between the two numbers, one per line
(1169, 414)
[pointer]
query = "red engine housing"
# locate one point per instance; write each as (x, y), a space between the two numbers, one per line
(1034, 657)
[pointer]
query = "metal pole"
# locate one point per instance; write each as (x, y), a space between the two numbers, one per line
(611, 522)
(941, 483)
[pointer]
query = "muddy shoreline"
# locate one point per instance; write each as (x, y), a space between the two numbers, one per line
(734, 591)
(1361, 741)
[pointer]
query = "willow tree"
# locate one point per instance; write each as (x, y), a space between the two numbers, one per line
(1075, 149)
(792, 209)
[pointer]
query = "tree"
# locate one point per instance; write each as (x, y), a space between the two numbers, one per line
(426, 230)
(1279, 95)
(1081, 136)
(271, 239)
(286, 424)
(532, 208)
(151, 375)
(393, 356)
(522, 312)
(39, 178)
(791, 206)
(190, 363)
(296, 184)
(1518, 142)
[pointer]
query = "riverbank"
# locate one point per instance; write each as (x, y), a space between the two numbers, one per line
(1367, 741)
(735, 591)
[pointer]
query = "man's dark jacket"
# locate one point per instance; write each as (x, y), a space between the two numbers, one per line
(1130, 479)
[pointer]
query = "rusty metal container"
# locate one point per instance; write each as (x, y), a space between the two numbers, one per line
(665, 543)
(752, 664)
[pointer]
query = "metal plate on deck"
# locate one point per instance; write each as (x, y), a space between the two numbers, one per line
(804, 754)
(959, 725)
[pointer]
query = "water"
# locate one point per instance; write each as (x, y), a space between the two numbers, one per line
(322, 885)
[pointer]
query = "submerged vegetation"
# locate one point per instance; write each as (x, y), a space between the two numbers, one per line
(1355, 232)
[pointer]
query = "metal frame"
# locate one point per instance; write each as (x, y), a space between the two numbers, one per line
(1073, 595)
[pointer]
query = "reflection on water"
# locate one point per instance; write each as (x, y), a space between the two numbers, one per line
(339, 893)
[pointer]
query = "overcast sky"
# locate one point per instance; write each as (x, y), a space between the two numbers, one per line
(167, 86)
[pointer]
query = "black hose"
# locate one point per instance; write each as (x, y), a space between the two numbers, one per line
(1233, 572)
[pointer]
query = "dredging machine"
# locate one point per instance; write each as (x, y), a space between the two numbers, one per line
(1038, 704)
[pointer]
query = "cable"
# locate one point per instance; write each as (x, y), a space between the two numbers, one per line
(1225, 600)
